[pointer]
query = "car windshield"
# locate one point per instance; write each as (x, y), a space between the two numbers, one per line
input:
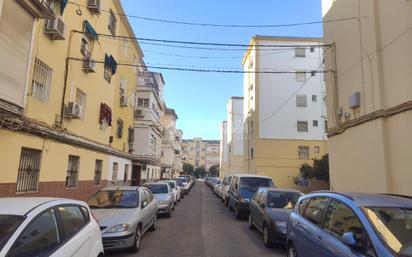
(157, 188)
(8, 224)
(394, 226)
(229, 179)
(179, 183)
(284, 200)
(171, 184)
(255, 183)
(114, 199)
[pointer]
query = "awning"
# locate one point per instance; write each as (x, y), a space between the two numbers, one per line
(90, 30)
(63, 4)
(109, 61)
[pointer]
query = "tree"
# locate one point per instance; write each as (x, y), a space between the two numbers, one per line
(320, 170)
(188, 169)
(214, 170)
(200, 172)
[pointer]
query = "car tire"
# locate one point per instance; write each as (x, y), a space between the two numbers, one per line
(169, 213)
(230, 206)
(137, 240)
(238, 214)
(267, 237)
(250, 221)
(291, 251)
(154, 225)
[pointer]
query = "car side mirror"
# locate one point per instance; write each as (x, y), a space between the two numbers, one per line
(144, 204)
(263, 205)
(349, 239)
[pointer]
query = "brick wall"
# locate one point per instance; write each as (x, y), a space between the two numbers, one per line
(83, 191)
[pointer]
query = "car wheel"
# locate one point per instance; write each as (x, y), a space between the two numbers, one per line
(267, 238)
(251, 226)
(137, 240)
(230, 206)
(169, 213)
(154, 225)
(292, 251)
(238, 215)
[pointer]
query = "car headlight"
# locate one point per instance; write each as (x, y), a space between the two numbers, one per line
(118, 228)
(280, 226)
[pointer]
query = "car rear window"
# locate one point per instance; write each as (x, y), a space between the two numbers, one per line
(255, 183)
(114, 199)
(72, 220)
(171, 184)
(286, 200)
(8, 224)
(158, 189)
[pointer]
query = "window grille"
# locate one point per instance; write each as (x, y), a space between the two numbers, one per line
(301, 101)
(41, 81)
(72, 171)
(300, 52)
(303, 152)
(302, 126)
(29, 170)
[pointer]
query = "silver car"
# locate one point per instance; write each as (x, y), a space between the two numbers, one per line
(124, 214)
(164, 196)
(175, 189)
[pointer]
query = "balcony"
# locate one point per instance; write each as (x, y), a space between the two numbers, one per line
(145, 114)
(147, 79)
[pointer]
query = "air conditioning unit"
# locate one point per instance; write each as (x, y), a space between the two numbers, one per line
(73, 110)
(94, 5)
(89, 65)
(123, 101)
(55, 28)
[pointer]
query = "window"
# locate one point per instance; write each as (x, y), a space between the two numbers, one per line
(112, 23)
(301, 101)
(126, 173)
(326, 126)
(315, 123)
(72, 220)
(340, 219)
(72, 171)
(300, 52)
(313, 73)
(122, 87)
(143, 102)
(29, 170)
(303, 152)
(316, 149)
(302, 126)
(81, 100)
(84, 48)
(312, 49)
(41, 81)
(251, 127)
(300, 76)
(314, 98)
(120, 126)
(302, 205)
(40, 238)
(108, 73)
(125, 47)
(115, 171)
(98, 172)
(315, 208)
(143, 198)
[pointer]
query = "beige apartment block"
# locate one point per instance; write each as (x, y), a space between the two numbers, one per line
(369, 95)
(201, 153)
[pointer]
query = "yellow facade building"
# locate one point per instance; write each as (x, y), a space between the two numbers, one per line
(284, 113)
(68, 131)
(369, 95)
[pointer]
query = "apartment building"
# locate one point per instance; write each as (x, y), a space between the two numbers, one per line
(284, 114)
(369, 95)
(224, 150)
(66, 119)
(171, 145)
(149, 108)
(201, 153)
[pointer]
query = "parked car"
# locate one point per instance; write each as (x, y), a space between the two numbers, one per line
(124, 215)
(186, 184)
(269, 212)
(40, 226)
(164, 196)
(225, 188)
(176, 190)
(242, 189)
(181, 187)
(216, 187)
(350, 224)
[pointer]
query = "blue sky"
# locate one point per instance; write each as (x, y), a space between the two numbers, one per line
(200, 98)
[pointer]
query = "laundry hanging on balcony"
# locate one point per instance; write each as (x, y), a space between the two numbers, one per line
(105, 114)
(109, 61)
(63, 4)
(89, 30)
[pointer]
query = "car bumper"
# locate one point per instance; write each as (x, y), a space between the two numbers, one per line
(163, 209)
(118, 242)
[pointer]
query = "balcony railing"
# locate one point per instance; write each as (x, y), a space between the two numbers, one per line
(147, 79)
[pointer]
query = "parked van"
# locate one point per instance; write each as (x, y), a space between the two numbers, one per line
(242, 188)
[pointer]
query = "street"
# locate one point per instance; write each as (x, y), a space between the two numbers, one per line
(202, 226)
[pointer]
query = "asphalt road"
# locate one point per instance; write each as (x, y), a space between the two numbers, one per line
(201, 226)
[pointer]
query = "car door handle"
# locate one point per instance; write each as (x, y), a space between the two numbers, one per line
(318, 238)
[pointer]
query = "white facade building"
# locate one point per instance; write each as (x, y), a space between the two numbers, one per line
(235, 136)
(224, 150)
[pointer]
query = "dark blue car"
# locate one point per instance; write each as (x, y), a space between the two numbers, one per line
(330, 224)
(241, 190)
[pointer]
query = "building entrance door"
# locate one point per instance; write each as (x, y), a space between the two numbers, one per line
(136, 175)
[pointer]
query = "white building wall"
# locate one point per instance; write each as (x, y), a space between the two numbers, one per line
(235, 125)
(278, 113)
(224, 151)
(121, 163)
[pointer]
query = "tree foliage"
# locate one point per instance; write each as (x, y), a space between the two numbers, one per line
(319, 170)
(214, 170)
(200, 172)
(188, 169)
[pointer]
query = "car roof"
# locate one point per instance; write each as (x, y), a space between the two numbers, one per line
(374, 200)
(157, 183)
(121, 188)
(282, 189)
(23, 205)
(246, 175)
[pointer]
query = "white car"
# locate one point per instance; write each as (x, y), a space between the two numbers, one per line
(225, 188)
(175, 189)
(41, 226)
